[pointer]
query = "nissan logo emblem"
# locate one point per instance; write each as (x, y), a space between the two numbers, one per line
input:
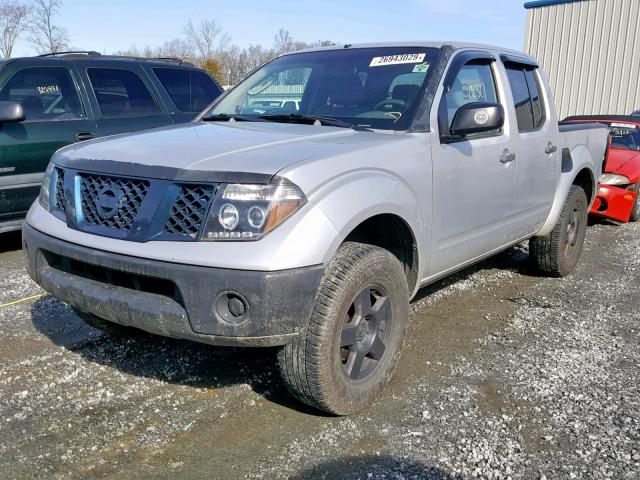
(108, 201)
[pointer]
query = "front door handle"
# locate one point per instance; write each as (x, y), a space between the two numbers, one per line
(81, 136)
(507, 156)
(551, 148)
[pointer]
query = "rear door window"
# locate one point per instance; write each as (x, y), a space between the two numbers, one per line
(536, 98)
(121, 93)
(45, 93)
(190, 90)
(525, 89)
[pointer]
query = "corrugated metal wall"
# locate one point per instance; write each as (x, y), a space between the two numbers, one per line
(590, 49)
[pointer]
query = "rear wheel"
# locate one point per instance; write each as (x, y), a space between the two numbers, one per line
(106, 326)
(635, 213)
(557, 254)
(352, 345)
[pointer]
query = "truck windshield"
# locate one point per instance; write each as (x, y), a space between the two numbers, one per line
(362, 87)
(624, 135)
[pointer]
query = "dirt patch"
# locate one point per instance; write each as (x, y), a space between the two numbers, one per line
(505, 374)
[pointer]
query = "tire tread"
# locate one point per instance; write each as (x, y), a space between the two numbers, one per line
(545, 252)
(302, 366)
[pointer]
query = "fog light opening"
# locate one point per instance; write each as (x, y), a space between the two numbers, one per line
(231, 307)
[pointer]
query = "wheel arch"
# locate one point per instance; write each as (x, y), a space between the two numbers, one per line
(581, 171)
(587, 181)
(393, 233)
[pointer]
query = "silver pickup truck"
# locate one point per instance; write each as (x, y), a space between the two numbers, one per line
(311, 226)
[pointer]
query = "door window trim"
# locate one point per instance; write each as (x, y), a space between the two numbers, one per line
(159, 111)
(76, 84)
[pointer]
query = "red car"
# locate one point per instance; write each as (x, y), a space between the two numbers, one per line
(618, 195)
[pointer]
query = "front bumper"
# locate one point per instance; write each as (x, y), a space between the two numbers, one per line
(205, 304)
(613, 202)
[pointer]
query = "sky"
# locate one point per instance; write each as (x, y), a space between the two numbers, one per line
(112, 25)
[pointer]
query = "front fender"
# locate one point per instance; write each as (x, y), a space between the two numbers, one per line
(631, 170)
(353, 198)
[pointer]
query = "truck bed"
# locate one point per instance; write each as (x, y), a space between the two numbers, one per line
(583, 139)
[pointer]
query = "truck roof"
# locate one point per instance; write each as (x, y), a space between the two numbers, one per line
(454, 45)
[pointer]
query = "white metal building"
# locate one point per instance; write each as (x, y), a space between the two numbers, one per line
(590, 50)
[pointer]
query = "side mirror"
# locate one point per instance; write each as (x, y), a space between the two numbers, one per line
(11, 112)
(477, 118)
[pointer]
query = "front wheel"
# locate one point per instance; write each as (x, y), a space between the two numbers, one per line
(557, 254)
(635, 213)
(351, 347)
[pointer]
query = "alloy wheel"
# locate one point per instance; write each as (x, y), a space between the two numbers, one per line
(365, 332)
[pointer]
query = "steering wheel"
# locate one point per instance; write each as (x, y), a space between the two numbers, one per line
(394, 102)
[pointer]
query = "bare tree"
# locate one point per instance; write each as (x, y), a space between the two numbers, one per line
(283, 42)
(14, 21)
(256, 56)
(46, 36)
(207, 37)
(323, 43)
(177, 48)
(206, 44)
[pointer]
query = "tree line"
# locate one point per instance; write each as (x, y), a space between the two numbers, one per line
(204, 43)
(208, 45)
(35, 21)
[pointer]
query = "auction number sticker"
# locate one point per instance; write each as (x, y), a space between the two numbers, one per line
(398, 59)
(48, 89)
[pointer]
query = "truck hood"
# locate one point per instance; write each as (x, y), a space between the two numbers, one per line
(624, 162)
(251, 147)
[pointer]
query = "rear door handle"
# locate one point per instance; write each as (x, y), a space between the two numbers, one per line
(507, 156)
(551, 148)
(81, 136)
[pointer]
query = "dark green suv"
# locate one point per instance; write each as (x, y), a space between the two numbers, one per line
(50, 101)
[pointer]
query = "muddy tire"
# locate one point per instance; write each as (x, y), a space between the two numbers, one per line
(635, 213)
(106, 326)
(352, 345)
(557, 254)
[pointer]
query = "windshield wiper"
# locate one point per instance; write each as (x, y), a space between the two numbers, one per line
(225, 117)
(310, 119)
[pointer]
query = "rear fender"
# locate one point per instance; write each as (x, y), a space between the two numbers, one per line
(580, 159)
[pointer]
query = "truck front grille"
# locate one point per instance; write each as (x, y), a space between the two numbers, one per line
(59, 198)
(129, 208)
(111, 202)
(189, 210)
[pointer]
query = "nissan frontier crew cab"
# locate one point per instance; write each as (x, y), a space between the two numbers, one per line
(310, 228)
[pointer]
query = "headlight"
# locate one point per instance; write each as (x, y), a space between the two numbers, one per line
(249, 212)
(45, 189)
(613, 179)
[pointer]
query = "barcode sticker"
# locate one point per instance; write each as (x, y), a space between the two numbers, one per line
(397, 59)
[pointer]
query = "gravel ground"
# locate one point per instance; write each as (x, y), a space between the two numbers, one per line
(504, 375)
